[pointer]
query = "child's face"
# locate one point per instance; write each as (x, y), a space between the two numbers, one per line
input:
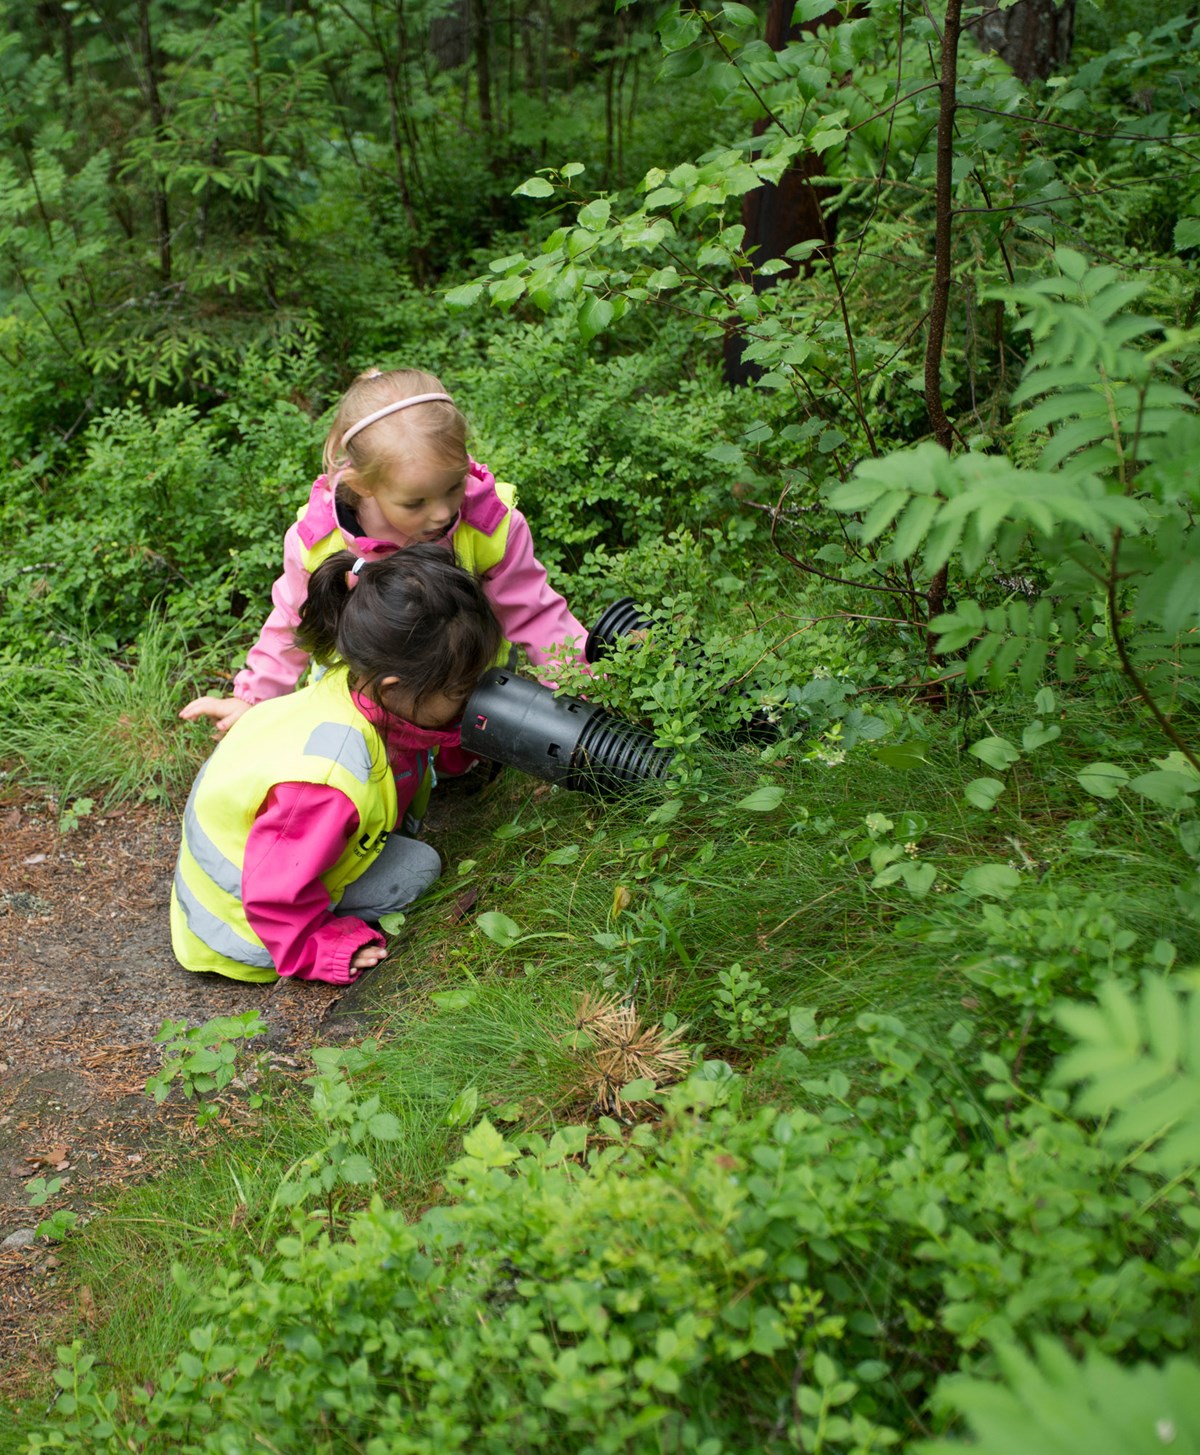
(437, 710)
(421, 501)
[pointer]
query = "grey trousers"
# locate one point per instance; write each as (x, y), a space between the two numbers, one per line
(403, 872)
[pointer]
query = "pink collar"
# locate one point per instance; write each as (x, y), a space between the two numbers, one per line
(402, 735)
(482, 509)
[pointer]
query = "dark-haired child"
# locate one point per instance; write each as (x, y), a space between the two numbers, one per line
(290, 854)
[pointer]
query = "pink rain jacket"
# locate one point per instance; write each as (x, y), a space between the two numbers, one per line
(531, 613)
(301, 831)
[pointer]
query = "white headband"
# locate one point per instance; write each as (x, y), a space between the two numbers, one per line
(391, 409)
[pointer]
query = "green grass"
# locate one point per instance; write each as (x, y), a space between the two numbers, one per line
(106, 727)
(786, 894)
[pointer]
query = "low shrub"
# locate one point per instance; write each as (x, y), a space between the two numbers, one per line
(736, 1279)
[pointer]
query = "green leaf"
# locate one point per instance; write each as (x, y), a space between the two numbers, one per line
(535, 187)
(639, 1089)
(1102, 780)
(355, 1169)
(739, 16)
(918, 878)
(498, 927)
(384, 1127)
(904, 756)
(991, 881)
(721, 80)
(1171, 790)
(983, 792)
(462, 1108)
(566, 855)
(392, 924)
(762, 800)
(995, 752)
(486, 1144)
(567, 1142)
(594, 216)
(464, 295)
(664, 197)
(932, 1219)
(1187, 233)
(453, 999)
(802, 1022)
(1037, 735)
(594, 317)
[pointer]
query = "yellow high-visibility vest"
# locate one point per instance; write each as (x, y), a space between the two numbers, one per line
(472, 549)
(315, 735)
(476, 552)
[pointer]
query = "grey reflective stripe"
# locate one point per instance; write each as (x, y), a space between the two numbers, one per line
(342, 744)
(215, 933)
(222, 871)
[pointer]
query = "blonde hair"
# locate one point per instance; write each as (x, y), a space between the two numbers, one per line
(435, 431)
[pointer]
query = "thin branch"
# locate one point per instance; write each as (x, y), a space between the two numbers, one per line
(1049, 201)
(720, 44)
(1164, 722)
(940, 300)
(806, 566)
(887, 148)
(1170, 140)
(891, 106)
(853, 354)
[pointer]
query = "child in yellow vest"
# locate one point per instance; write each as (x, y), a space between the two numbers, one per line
(290, 853)
(397, 473)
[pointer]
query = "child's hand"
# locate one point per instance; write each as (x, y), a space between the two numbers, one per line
(224, 711)
(366, 957)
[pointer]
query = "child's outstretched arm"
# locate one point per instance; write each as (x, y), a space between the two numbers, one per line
(274, 665)
(530, 611)
(301, 831)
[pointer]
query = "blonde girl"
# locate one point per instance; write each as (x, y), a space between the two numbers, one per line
(397, 473)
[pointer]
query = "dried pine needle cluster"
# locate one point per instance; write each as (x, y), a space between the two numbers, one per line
(615, 1048)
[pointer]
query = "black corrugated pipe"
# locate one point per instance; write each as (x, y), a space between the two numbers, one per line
(558, 739)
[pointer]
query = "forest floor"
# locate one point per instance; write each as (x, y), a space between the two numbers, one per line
(88, 979)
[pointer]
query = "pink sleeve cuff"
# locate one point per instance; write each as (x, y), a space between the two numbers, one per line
(299, 834)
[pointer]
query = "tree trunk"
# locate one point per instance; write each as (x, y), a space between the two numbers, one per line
(162, 215)
(450, 37)
(939, 305)
(483, 67)
(778, 216)
(1034, 36)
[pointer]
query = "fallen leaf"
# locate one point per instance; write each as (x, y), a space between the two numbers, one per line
(463, 906)
(36, 859)
(50, 1158)
(87, 1304)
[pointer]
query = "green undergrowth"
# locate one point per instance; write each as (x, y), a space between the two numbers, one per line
(862, 964)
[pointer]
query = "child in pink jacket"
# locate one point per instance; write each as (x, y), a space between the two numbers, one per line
(397, 472)
(291, 850)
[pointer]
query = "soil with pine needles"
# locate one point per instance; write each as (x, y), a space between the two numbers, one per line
(88, 979)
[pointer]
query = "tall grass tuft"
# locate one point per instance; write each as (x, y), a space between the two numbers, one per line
(107, 726)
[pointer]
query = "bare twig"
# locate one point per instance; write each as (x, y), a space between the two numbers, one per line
(1160, 717)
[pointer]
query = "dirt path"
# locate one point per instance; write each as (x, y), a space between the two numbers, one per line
(87, 978)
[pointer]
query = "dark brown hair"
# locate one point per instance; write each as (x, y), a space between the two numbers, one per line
(416, 615)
